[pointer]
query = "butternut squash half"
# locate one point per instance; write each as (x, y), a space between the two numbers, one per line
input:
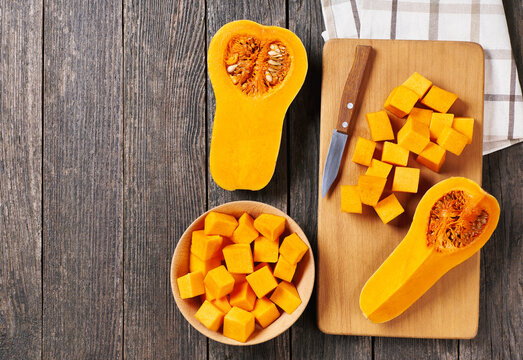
(453, 220)
(255, 71)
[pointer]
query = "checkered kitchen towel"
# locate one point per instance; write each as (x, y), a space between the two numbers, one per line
(481, 21)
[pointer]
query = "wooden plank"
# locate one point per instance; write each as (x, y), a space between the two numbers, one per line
(266, 12)
(307, 341)
(83, 180)
(165, 168)
(501, 309)
(346, 255)
(20, 179)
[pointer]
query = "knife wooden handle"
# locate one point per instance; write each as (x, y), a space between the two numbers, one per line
(349, 98)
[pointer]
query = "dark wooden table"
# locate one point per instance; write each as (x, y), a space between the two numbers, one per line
(105, 118)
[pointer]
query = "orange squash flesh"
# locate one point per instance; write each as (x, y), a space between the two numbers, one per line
(256, 71)
(453, 220)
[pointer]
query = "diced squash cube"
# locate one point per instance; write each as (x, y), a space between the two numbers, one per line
(238, 324)
(394, 154)
(350, 199)
(220, 224)
(293, 248)
(379, 126)
(190, 285)
(265, 250)
(414, 136)
(401, 101)
(406, 179)
(219, 282)
(238, 278)
(222, 304)
(270, 226)
(245, 233)
(464, 125)
(262, 281)
(371, 188)
(208, 295)
(452, 140)
(388, 208)
(238, 258)
(439, 99)
(419, 84)
(422, 115)
(243, 296)
(284, 270)
(363, 151)
(379, 169)
(433, 157)
(262, 264)
(438, 122)
(205, 246)
(210, 316)
(265, 312)
(203, 266)
(286, 296)
(226, 242)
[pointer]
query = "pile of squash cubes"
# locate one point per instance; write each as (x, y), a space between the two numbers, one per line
(428, 132)
(245, 288)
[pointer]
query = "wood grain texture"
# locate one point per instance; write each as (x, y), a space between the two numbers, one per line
(20, 179)
(83, 181)
(165, 168)
(265, 12)
(346, 253)
(307, 341)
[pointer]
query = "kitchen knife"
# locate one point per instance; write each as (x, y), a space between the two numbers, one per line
(348, 106)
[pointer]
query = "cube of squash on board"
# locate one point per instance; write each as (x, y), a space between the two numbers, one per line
(203, 266)
(401, 101)
(350, 199)
(394, 154)
(219, 282)
(419, 84)
(406, 179)
(439, 99)
(238, 258)
(414, 136)
(438, 123)
(363, 151)
(243, 296)
(433, 157)
(371, 188)
(205, 246)
(265, 312)
(284, 269)
(388, 208)
(270, 226)
(222, 304)
(379, 126)
(190, 285)
(464, 125)
(265, 250)
(210, 316)
(293, 248)
(220, 224)
(452, 141)
(245, 233)
(378, 168)
(286, 296)
(262, 281)
(422, 115)
(238, 324)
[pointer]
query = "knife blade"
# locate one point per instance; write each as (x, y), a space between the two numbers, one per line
(348, 106)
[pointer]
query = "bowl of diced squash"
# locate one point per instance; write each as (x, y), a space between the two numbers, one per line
(242, 273)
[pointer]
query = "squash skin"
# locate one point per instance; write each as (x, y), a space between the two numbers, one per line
(247, 130)
(413, 267)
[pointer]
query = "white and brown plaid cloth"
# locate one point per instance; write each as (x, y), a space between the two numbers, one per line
(481, 21)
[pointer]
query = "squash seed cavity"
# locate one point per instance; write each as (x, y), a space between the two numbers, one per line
(455, 222)
(255, 66)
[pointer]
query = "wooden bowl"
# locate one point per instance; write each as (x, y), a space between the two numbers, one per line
(303, 278)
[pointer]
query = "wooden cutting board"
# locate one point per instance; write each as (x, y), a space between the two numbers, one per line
(352, 246)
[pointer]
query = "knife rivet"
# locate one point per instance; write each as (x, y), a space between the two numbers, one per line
(345, 124)
(350, 106)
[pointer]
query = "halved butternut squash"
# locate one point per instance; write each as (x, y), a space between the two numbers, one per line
(453, 220)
